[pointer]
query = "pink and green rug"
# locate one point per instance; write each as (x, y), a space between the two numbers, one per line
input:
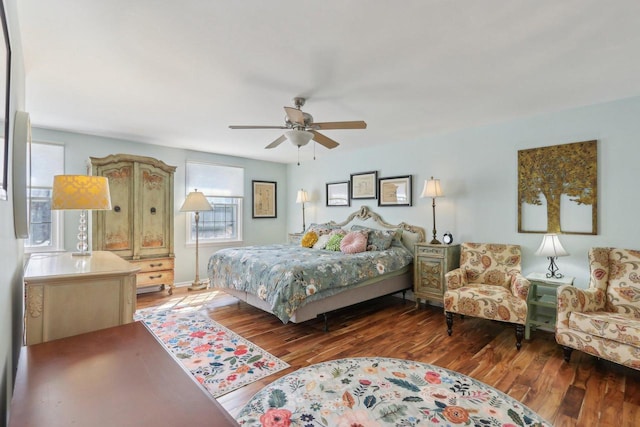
(218, 358)
(376, 392)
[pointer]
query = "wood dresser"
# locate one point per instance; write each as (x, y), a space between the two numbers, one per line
(139, 228)
(68, 295)
(119, 376)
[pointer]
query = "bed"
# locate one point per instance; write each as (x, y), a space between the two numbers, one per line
(298, 284)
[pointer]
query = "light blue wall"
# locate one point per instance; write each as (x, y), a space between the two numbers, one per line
(11, 249)
(79, 147)
(478, 172)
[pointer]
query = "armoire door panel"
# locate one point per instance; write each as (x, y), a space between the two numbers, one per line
(154, 205)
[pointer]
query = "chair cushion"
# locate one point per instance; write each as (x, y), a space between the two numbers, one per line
(486, 301)
(612, 326)
(623, 292)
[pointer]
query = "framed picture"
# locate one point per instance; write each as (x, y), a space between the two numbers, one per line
(394, 191)
(363, 185)
(264, 197)
(5, 80)
(338, 194)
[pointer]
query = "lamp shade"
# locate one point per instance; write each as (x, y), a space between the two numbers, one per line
(196, 202)
(80, 192)
(551, 246)
(432, 188)
(303, 197)
(299, 137)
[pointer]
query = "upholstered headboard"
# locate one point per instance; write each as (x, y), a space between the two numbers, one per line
(411, 234)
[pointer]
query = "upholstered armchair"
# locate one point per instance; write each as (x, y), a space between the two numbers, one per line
(489, 285)
(604, 319)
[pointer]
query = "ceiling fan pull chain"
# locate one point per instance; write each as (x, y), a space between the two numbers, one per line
(298, 155)
(314, 151)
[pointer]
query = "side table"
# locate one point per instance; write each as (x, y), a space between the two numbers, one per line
(431, 263)
(542, 301)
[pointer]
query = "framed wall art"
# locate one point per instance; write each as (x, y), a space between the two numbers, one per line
(264, 195)
(338, 194)
(363, 185)
(557, 189)
(394, 191)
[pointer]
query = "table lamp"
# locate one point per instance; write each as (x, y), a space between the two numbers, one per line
(197, 202)
(552, 248)
(432, 189)
(83, 193)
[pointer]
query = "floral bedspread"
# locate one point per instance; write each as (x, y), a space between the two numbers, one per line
(289, 276)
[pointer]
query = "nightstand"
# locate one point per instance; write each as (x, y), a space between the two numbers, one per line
(294, 238)
(542, 301)
(430, 264)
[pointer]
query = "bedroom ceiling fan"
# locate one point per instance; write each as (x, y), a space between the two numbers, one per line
(302, 128)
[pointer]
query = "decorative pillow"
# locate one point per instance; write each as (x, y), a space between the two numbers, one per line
(354, 242)
(309, 239)
(338, 231)
(322, 229)
(334, 242)
(322, 242)
(378, 240)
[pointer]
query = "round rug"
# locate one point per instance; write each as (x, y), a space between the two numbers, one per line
(372, 391)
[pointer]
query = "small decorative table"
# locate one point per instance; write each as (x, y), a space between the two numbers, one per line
(542, 301)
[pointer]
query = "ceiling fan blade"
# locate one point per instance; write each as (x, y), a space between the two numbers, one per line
(294, 115)
(324, 140)
(277, 142)
(257, 127)
(359, 124)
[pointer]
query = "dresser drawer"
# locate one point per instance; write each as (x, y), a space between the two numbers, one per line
(155, 264)
(152, 278)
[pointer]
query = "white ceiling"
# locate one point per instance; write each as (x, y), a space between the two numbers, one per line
(177, 73)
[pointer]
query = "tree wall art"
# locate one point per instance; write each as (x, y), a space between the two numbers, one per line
(557, 189)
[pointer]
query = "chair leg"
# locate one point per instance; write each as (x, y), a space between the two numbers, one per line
(567, 353)
(519, 336)
(449, 317)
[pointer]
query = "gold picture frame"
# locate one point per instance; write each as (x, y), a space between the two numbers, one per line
(558, 189)
(264, 197)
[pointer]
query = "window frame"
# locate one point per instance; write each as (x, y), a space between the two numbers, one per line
(190, 222)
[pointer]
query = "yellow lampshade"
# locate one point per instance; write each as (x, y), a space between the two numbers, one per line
(80, 192)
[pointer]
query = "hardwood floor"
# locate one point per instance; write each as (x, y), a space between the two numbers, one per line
(585, 392)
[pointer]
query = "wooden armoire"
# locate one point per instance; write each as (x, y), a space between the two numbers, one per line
(139, 228)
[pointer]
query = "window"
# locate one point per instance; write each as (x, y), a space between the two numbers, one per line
(45, 225)
(223, 186)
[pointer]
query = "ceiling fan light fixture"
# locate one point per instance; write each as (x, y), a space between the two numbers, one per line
(299, 137)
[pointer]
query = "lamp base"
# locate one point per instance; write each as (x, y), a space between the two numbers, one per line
(199, 285)
(85, 253)
(435, 242)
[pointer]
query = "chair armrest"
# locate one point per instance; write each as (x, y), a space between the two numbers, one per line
(571, 299)
(520, 286)
(454, 279)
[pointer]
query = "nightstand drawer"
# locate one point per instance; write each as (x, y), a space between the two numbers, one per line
(151, 278)
(434, 252)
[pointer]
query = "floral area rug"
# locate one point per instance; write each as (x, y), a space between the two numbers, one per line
(217, 357)
(372, 392)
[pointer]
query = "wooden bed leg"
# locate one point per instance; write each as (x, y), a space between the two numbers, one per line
(326, 322)
(404, 296)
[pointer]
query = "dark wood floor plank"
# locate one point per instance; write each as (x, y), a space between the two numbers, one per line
(584, 392)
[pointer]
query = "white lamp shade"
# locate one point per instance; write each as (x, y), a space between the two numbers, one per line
(303, 197)
(432, 188)
(80, 192)
(551, 246)
(196, 202)
(299, 137)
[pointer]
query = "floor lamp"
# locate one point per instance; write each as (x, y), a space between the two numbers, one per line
(83, 193)
(303, 197)
(197, 202)
(432, 189)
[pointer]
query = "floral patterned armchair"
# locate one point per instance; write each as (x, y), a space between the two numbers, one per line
(489, 285)
(604, 319)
